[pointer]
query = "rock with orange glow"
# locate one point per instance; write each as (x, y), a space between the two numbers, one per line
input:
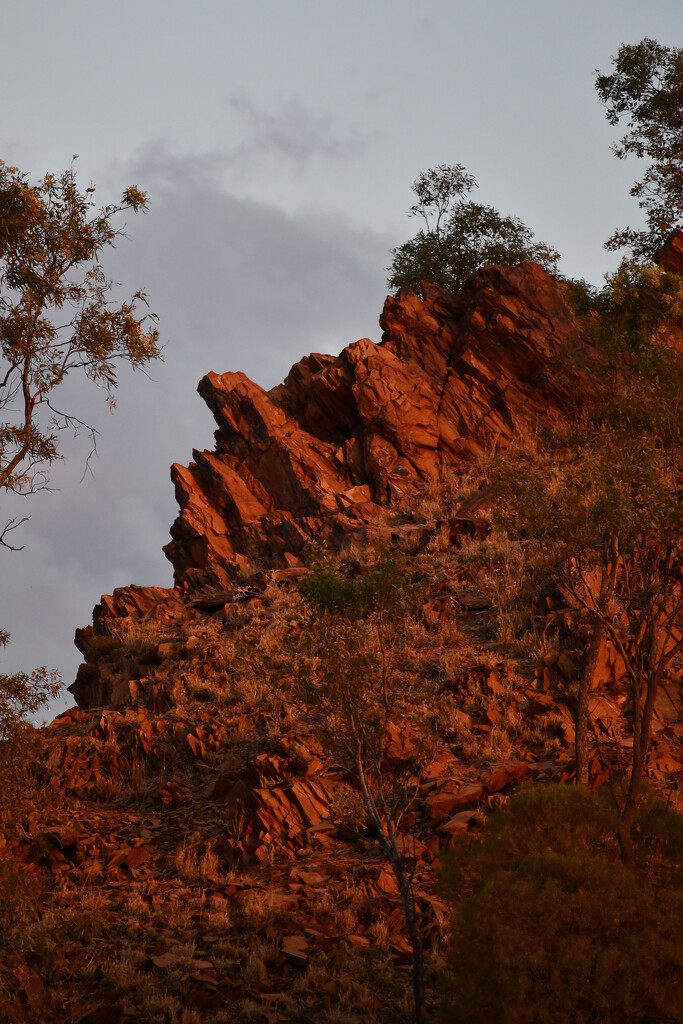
(328, 450)
(670, 256)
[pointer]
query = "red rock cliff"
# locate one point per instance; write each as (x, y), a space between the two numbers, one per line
(329, 448)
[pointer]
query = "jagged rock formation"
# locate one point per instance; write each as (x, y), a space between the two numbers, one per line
(324, 454)
(327, 450)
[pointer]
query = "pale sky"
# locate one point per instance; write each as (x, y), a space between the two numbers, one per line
(277, 141)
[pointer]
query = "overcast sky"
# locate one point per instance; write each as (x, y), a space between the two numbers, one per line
(277, 141)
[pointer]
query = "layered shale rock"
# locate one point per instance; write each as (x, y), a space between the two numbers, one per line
(328, 450)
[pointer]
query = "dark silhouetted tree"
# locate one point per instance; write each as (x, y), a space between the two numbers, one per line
(548, 926)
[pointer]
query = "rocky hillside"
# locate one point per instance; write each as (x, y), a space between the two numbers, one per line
(201, 859)
(330, 453)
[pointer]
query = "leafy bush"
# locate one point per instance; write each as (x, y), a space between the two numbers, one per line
(549, 927)
(21, 695)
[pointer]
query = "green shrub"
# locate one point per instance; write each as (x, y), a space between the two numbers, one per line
(550, 928)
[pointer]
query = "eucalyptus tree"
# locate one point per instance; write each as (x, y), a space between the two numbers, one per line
(644, 92)
(459, 235)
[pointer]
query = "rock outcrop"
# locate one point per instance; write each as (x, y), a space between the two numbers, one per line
(328, 450)
(670, 256)
(324, 455)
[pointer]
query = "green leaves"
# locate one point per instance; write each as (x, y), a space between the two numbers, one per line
(645, 90)
(460, 235)
(380, 588)
(56, 313)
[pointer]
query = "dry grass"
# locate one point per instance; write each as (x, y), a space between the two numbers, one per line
(443, 495)
(495, 550)
(197, 860)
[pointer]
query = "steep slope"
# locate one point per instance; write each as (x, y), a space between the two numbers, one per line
(202, 855)
(201, 860)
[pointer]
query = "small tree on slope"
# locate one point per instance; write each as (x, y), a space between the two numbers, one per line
(608, 512)
(347, 685)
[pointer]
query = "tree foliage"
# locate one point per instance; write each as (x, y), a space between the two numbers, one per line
(21, 695)
(605, 506)
(548, 927)
(56, 314)
(645, 91)
(459, 235)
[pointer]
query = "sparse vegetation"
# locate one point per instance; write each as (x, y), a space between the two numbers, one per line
(23, 792)
(608, 514)
(348, 685)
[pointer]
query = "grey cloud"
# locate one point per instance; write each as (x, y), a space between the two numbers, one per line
(294, 132)
(241, 282)
(289, 137)
(238, 285)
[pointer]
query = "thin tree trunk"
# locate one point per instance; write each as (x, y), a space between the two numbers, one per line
(642, 733)
(405, 888)
(392, 852)
(590, 664)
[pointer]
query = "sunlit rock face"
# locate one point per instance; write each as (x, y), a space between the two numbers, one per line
(670, 256)
(328, 450)
(325, 454)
